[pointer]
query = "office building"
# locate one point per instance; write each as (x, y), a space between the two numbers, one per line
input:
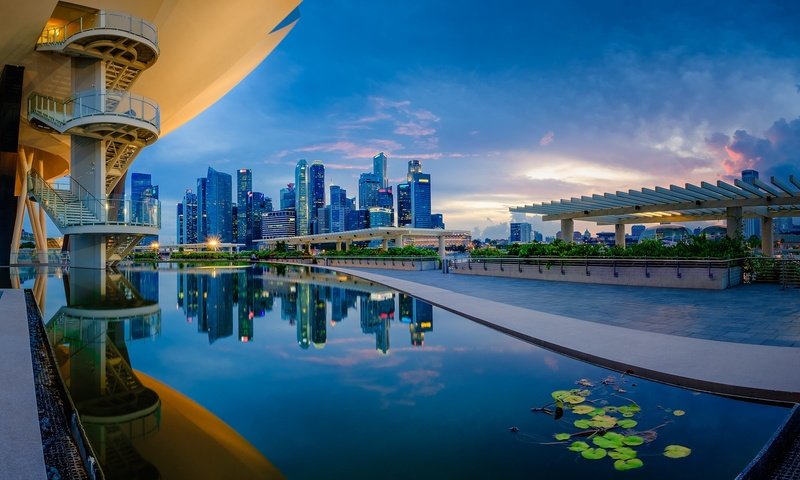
(358, 219)
(380, 217)
(636, 231)
(404, 205)
(244, 185)
(368, 186)
(278, 224)
(180, 226)
(287, 197)
(189, 217)
(218, 206)
(316, 194)
(420, 195)
(256, 205)
(437, 221)
(380, 165)
(338, 209)
(202, 209)
(414, 166)
(520, 233)
(301, 197)
(386, 200)
(751, 226)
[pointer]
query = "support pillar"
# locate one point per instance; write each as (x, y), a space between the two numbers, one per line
(567, 228)
(400, 241)
(619, 235)
(346, 245)
(442, 251)
(733, 219)
(338, 246)
(385, 244)
(767, 240)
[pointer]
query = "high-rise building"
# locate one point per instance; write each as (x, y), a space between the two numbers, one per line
(301, 197)
(218, 205)
(637, 230)
(140, 183)
(244, 185)
(256, 205)
(287, 197)
(404, 205)
(316, 194)
(179, 217)
(380, 217)
(278, 224)
(357, 219)
(323, 214)
(202, 210)
(338, 209)
(189, 217)
(752, 226)
(437, 221)
(386, 200)
(420, 195)
(520, 233)
(380, 168)
(368, 186)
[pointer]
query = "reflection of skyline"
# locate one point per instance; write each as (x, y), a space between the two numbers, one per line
(309, 302)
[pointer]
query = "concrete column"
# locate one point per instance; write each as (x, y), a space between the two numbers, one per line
(442, 251)
(385, 245)
(733, 218)
(347, 245)
(619, 235)
(400, 241)
(338, 246)
(567, 228)
(767, 240)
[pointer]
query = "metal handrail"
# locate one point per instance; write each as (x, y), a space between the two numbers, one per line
(101, 20)
(90, 103)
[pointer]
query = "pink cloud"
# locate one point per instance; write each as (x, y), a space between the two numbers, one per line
(413, 129)
(353, 150)
(547, 139)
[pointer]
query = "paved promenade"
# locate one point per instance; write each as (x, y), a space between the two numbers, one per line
(554, 315)
(760, 314)
(21, 455)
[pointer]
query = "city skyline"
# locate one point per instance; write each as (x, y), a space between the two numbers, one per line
(571, 99)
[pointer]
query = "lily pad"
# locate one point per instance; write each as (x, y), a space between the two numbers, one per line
(594, 453)
(614, 437)
(678, 413)
(628, 464)
(633, 440)
(627, 423)
(603, 421)
(628, 414)
(559, 394)
(573, 399)
(584, 424)
(622, 453)
(583, 409)
(562, 436)
(605, 443)
(677, 451)
(578, 446)
(598, 411)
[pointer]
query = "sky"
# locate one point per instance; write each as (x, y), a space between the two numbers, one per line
(506, 102)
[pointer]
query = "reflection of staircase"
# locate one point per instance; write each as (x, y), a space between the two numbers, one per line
(118, 246)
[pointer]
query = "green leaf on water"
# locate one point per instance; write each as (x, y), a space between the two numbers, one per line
(603, 421)
(573, 399)
(578, 446)
(627, 423)
(594, 453)
(628, 464)
(562, 436)
(622, 453)
(677, 451)
(633, 440)
(583, 409)
(614, 437)
(559, 394)
(598, 411)
(679, 413)
(628, 414)
(583, 424)
(605, 443)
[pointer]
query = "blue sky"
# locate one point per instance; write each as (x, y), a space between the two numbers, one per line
(507, 102)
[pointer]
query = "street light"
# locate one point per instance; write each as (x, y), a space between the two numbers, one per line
(213, 243)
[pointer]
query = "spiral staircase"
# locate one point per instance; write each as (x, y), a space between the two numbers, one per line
(118, 47)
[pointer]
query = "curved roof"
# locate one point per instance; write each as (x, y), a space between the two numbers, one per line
(677, 204)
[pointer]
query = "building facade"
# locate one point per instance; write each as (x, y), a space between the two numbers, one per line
(520, 233)
(316, 195)
(368, 186)
(244, 185)
(301, 197)
(380, 166)
(404, 205)
(218, 206)
(278, 224)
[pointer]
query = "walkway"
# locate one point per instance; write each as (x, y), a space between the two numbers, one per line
(520, 308)
(21, 455)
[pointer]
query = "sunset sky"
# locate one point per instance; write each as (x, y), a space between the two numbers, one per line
(507, 102)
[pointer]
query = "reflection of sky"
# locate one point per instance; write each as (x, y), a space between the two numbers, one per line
(437, 411)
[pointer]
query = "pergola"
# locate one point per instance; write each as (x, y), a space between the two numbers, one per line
(386, 234)
(690, 203)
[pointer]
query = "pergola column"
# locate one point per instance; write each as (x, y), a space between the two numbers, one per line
(733, 220)
(338, 246)
(567, 228)
(385, 244)
(400, 240)
(442, 251)
(619, 235)
(767, 241)
(346, 245)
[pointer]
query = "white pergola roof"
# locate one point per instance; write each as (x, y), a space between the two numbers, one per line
(677, 204)
(367, 234)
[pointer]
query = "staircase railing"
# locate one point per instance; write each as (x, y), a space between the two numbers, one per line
(101, 20)
(92, 103)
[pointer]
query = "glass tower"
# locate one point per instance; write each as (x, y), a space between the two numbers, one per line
(316, 193)
(379, 168)
(301, 196)
(338, 209)
(420, 198)
(368, 186)
(244, 185)
(218, 205)
(404, 205)
(189, 217)
(202, 210)
(287, 197)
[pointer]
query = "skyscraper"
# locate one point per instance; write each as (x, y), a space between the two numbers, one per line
(420, 195)
(287, 197)
(218, 205)
(278, 224)
(380, 167)
(140, 183)
(437, 220)
(179, 231)
(380, 217)
(202, 210)
(338, 209)
(520, 233)
(189, 217)
(257, 205)
(752, 226)
(316, 194)
(386, 200)
(244, 185)
(301, 196)
(404, 205)
(368, 186)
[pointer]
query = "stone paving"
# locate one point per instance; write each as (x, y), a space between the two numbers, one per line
(760, 314)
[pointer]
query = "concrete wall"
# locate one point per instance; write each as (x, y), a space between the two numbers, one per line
(384, 263)
(717, 278)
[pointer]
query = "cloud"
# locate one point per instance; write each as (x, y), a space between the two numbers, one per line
(547, 139)
(776, 153)
(413, 129)
(353, 150)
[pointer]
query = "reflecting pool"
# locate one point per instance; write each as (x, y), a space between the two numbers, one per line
(184, 371)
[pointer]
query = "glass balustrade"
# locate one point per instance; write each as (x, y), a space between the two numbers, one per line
(97, 21)
(93, 103)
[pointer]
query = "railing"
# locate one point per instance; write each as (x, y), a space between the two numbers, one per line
(100, 20)
(69, 204)
(783, 271)
(93, 103)
(32, 257)
(378, 261)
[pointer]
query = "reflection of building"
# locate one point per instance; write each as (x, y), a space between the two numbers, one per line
(418, 315)
(319, 329)
(377, 311)
(303, 314)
